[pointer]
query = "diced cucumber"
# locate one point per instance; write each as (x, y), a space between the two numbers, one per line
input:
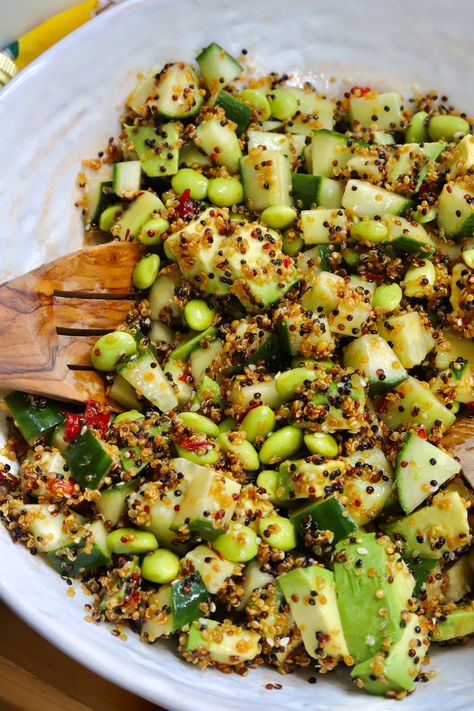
(331, 151)
(123, 393)
(213, 569)
(137, 101)
(88, 552)
(304, 188)
(383, 110)
(157, 149)
(314, 108)
(409, 336)
(328, 515)
(191, 156)
(45, 522)
(408, 236)
(88, 459)
(187, 596)
(176, 375)
(176, 93)
(366, 200)
(127, 178)
(421, 569)
(140, 210)
(413, 403)
(98, 193)
(242, 395)
(220, 143)
(368, 168)
(34, 417)
(160, 623)
(367, 484)
(271, 141)
(162, 296)
(407, 168)
(376, 360)
(457, 382)
(218, 68)
(113, 501)
(312, 262)
(235, 110)
(145, 375)
(323, 225)
(301, 334)
(266, 177)
(420, 470)
(303, 479)
(202, 358)
(161, 333)
(456, 209)
(461, 157)
(192, 341)
(451, 348)
(236, 645)
(39, 469)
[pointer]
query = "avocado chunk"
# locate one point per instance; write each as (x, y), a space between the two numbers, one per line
(373, 587)
(311, 596)
(457, 624)
(437, 528)
(213, 569)
(396, 670)
(224, 642)
(373, 357)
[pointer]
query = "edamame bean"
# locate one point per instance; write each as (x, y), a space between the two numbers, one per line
(419, 280)
(110, 348)
(210, 457)
(417, 131)
(283, 104)
(152, 230)
(238, 545)
(447, 127)
(291, 382)
(228, 425)
(198, 315)
(292, 244)
(321, 443)
(426, 215)
(199, 423)
(161, 567)
(131, 541)
(145, 273)
(233, 443)
(278, 217)
(269, 480)
(468, 258)
(281, 445)
(278, 532)
(258, 101)
(369, 230)
(225, 192)
(108, 218)
(258, 422)
(351, 257)
(192, 180)
(129, 416)
(387, 297)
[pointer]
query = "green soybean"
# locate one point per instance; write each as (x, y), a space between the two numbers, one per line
(259, 422)
(258, 101)
(210, 457)
(351, 257)
(281, 445)
(369, 230)
(152, 230)
(110, 348)
(198, 315)
(419, 280)
(321, 443)
(129, 416)
(238, 545)
(279, 217)
(108, 218)
(228, 425)
(447, 127)
(417, 131)
(468, 258)
(291, 381)
(225, 192)
(292, 244)
(130, 541)
(278, 532)
(269, 480)
(145, 273)
(192, 180)
(283, 104)
(426, 215)
(199, 423)
(387, 297)
(242, 450)
(161, 567)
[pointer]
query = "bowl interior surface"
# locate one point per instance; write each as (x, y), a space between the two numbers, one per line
(62, 109)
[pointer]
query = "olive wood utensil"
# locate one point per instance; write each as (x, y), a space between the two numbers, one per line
(51, 317)
(459, 439)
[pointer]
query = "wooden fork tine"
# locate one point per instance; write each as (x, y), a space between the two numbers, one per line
(76, 314)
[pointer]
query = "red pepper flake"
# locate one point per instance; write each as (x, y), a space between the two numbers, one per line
(94, 415)
(373, 277)
(61, 487)
(250, 407)
(422, 433)
(287, 262)
(361, 90)
(186, 204)
(73, 426)
(192, 444)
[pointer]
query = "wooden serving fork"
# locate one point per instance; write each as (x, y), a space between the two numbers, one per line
(51, 317)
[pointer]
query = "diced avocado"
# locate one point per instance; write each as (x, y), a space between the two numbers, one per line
(88, 552)
(323, 225)
(139, 211)
(304, 479)
(159, 615)
(408, 236)
(311, 596)
(266, 177)
(157, 149)
(220, 143)
(213, 569)
(420, 470)
(456, 209)
(320, 516)
(397, 669)
(367, 484)
(382, 110)
(459, 577)
(374, 358)
(225, 642)
(34, 417)
(409, 336)
(113, 501)
(373, 587)
(145, 374)
(341, 406)
(460, 159)
(440, 527)
(254, 579)
(457, 624)
(413, 403)
(301, 334)
(88, 459)
(366, 200)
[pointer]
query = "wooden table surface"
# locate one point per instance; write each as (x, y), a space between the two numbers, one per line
(35, 676)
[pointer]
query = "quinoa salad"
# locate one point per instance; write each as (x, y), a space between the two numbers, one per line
(269, 482)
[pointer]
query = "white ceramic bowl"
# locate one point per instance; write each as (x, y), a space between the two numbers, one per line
(63, 108)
